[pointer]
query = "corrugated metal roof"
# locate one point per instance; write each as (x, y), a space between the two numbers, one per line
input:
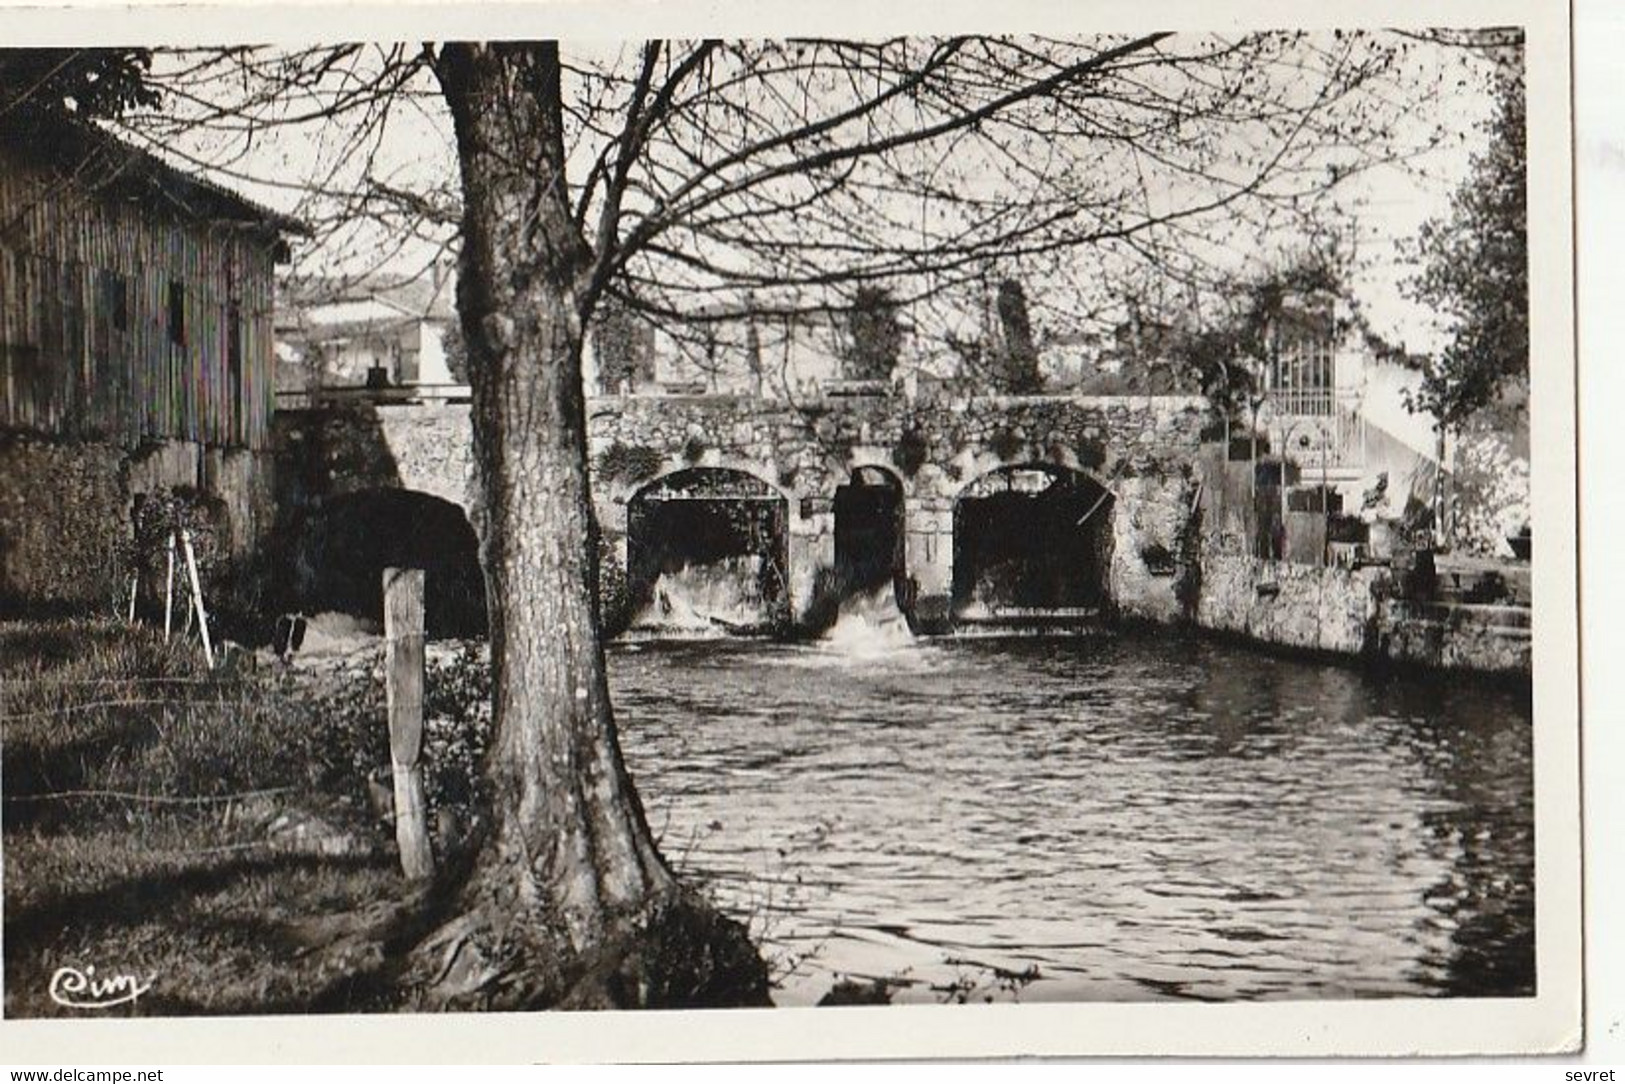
(100, 163)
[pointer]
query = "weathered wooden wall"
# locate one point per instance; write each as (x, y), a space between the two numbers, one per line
(86, 344)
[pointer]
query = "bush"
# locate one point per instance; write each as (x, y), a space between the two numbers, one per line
(1006, 445)
(350, 741)
(614, 588)
(457, 731)
(629, 463)
(910, 452)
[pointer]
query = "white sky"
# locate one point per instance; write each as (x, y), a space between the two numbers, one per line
(416, 153)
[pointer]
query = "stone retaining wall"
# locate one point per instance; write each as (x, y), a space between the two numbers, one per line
(1349, 612)
(1291, 605)
(66, 507)
(1485, 639)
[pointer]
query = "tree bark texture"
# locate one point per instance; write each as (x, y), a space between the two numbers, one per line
(568, 891)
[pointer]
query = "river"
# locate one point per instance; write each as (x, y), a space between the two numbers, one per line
(1111, 817)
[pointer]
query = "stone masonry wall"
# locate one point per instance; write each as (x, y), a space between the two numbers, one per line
(1141, 449)
(65, 513)
(1291, 605)
(1351, 612)
(1485, 639)
(934, 448)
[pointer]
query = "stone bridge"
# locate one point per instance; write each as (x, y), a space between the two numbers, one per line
(946, 497)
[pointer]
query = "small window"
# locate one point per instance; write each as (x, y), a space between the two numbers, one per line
(234, 366)
(114, 305)
(177, 313)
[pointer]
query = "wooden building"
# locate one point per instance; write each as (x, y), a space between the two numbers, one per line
(136, 346)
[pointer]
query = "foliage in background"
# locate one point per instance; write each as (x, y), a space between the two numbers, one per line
(1475, 270)
(624, 344)
(1490, 493)
(456, 351)
(1016, 368)
(1227, 356)
(52, 85)
(876, 335)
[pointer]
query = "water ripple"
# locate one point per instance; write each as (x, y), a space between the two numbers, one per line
(1136, 818)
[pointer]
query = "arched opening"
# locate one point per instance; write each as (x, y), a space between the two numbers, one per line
(346, 543)
(707, 552)
(1031, 540)
(869, 530)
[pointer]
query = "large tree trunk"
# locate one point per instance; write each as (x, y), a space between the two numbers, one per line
(568, 901)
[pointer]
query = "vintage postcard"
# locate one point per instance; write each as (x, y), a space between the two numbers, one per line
(772, 535)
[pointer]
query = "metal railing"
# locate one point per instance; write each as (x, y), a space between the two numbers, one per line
(1333, 425)
(354, 395)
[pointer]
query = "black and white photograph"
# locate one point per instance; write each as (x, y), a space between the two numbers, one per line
(939, 521)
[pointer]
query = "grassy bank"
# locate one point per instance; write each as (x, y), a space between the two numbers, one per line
(211, 831)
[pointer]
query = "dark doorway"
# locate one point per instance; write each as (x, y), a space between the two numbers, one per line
(1030, 539)
(345, 545)
(706, 550)
(869, 530)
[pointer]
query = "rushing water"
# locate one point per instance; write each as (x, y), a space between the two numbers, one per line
(1110, 817)
(706, 598)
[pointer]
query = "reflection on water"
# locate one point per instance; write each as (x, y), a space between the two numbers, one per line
(1135, 818)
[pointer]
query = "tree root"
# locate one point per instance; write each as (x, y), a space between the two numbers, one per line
(677, 952)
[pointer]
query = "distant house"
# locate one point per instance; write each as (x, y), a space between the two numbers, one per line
(731, 352)
(135, 353)
(1328, 427)
(378, 332)
(1336, 408)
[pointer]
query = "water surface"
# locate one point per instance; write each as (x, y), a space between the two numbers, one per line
(1110, 817)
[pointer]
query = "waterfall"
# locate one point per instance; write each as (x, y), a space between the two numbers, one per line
(714, 598)
(870, 624)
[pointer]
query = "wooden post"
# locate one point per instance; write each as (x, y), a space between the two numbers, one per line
(403, 636)
(169, 588)
(197, 596)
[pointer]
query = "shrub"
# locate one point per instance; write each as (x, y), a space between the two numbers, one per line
(614, 588)
(910, 452)
(1159, 559)
(457, 732)
(629, 463)
(350, 738)
(1006, 445)
(145, 552)
(1091, 454)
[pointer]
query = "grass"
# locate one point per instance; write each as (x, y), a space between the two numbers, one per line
(216, 832)
(143, 801)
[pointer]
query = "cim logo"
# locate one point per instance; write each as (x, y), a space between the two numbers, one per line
(75, 989)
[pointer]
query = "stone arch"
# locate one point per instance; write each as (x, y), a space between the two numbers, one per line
(614, 494)
(1057, 456)
(345, 541)
(707, 549)
(869, 528)
(1030, 538)
(909, 484)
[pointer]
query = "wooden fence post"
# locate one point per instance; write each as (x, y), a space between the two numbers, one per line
(169, 586)
(403, 635)
(197, 596)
